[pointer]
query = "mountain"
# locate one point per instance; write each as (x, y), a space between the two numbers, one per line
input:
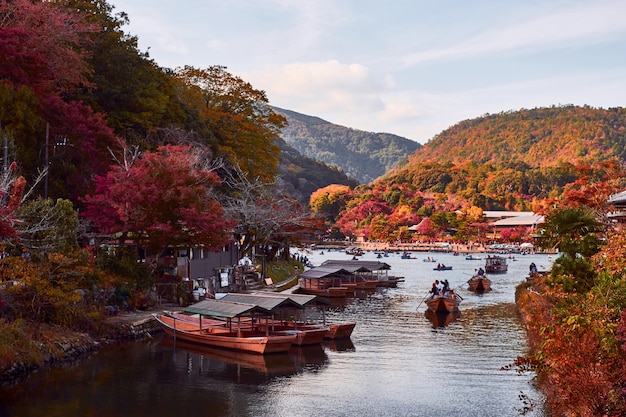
(512, 160)
(362, 155)
(299, 175)
(537, 137)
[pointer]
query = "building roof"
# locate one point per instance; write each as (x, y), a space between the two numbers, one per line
(619, 198)
(495, 214)
(529, 220)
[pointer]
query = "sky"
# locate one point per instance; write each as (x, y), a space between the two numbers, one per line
(408, 67)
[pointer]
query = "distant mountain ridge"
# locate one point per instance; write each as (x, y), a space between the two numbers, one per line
(300, 176)
(362, 155)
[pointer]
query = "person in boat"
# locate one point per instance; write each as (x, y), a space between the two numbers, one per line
(439, 287)
(438, 266)
(533, 268)
(481, 271)
(435, 288)
(446, 286)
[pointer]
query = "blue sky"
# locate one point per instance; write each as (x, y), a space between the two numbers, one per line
(408, 67)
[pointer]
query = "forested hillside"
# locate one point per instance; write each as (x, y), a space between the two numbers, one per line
(536, 137)
(509, 161)
(361, 155)
(299, 176)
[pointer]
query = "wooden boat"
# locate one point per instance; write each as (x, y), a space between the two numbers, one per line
(239, 336)
(364, 275)
(447, 302)
(479, 283)
(331, 330)
(326, 282)
(280, 306)
(339, 330)
(495, 265)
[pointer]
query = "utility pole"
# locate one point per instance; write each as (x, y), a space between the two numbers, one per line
(45, 183)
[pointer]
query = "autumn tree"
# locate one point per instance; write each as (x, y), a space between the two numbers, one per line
(160, 199)
(328, 201)
(239, 117)
(43, 64)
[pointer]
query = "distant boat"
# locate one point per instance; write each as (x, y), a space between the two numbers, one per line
(495, 265)
(473, 258)
(442, 268)
(407, 255)
(429, 259)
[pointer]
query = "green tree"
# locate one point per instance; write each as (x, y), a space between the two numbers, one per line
(47, 226)
(577, 233)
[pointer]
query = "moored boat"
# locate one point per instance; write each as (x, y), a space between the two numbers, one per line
(449, 301)
(237, 340)
(332, 331)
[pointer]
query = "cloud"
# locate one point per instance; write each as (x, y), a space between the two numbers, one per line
(589, 22)
(330, 86)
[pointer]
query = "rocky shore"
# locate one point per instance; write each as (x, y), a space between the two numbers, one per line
(57, 345)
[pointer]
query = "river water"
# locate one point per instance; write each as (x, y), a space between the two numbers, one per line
(398, 362)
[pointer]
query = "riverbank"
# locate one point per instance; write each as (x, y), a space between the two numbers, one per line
(44, 345)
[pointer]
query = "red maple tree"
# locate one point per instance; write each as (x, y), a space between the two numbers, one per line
(162, 199)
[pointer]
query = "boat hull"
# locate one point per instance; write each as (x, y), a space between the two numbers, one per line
(339, 330)
(243, 341)
(304, 336)
(479, 284)
(444, 303)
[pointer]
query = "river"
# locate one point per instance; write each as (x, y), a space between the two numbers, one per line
(397, 362)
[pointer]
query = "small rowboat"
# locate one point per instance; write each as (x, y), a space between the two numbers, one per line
(447, 302)
(479, 283)
(442, 268)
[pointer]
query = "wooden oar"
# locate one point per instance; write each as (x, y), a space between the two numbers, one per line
(424, 299)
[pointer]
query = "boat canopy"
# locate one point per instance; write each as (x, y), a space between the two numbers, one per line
(218, 308)
(362, 266)
(324, 272)
(302, 299)
(267, 302)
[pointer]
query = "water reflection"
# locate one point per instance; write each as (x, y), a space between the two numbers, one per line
(339, 345)
(441, 319)
(200, 358)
